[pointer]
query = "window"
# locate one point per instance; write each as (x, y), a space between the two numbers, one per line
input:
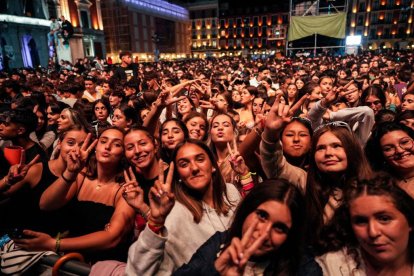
(255, 21)
(264, 20)
(238, 42)
(230, 42)
(247, 42)
(222, 23)
(360, 20)
(274, 19)
(264, 42)
(255, 41)
(231, 23)
(238, 22)
(85, 19)
(362, 7)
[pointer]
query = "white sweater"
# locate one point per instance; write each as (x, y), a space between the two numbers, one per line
(153, 254)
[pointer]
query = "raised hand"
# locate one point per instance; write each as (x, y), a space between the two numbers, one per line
(133, 193)
(76, 159)
(235, 257)
(160, 196)
(236, 160)
(19, 171)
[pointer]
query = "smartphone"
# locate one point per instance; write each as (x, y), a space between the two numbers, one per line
(16, 233)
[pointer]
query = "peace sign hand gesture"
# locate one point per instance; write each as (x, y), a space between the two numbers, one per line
(19, 171)
(133, 193)
(160, 196)
(235, 257)
(76, 159)
(236, 160)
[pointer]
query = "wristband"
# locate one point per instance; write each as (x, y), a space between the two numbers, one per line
(246, 181)
(248, 187)
(57, 246)
(154, 228)
(246, 176)
(65, 179)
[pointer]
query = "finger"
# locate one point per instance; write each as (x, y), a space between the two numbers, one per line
(170, 176)
(298, 104)
(132, 175)
(247, 236)
(257, 243)
(92, 146)
(239, 248)
(348, 84)
(285, 111)
(275, 105)
(234, 145)
(233, 254)
(22, 157)
(281, 109)
(34, 161)
(161, 171)
(229, 148)
(126, 176)
(86, 142)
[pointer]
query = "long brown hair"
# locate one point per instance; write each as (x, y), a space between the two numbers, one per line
(320, 186)
(189, 199)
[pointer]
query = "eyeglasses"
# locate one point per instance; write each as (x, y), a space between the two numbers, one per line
(404, 143)
(333, 124)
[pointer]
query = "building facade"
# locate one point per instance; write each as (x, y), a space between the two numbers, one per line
(25, 24)
(382, 23)
(150, 29)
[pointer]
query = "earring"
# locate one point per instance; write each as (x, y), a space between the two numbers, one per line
(214, 170)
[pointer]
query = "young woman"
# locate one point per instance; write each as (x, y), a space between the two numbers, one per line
(391, 148)
(406, 118)
(372, 233)
(223, 131)
(374, 97)
(124, 117)
(171, 133)
(292, 94)
(265, 236)
(246, 112)
(193, 199)
(184, 107)
(101, 109)
(28, 182)
(197, 125)
(42, 135)
(407, 101)
(101, 221)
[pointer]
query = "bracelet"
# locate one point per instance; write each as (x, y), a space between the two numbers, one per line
(154, 228)
(146, 214)
(246, 181)
(65, 179)
(248, 187)
(57, 246)
(246, 176)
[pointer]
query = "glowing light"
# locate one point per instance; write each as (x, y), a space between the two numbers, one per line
(24, 20)
(161, 7)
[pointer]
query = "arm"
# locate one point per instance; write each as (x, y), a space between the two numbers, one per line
(315, 114)
(47, 140)
(361, 117)
(31, 178)
(121, 223)
(147, 253)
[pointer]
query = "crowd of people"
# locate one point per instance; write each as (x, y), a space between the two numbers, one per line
(231, 166)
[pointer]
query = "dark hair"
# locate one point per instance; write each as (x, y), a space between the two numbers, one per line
(130, 113)
(286, 260)
(195, 114)
(57, 107)
(374, 90)
(339, 232)
(164, 153)
(408, 114)
(373, 149)
(124, 53)
(91, 171)
(189, 198)
(320, 186)
(103, 101)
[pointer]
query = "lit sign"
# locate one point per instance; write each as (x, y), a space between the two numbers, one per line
(353, 40)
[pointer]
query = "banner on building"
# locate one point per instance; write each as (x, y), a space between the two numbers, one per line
(332, 25)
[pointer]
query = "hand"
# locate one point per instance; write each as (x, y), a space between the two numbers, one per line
(133, 193)
(36, 241)
(207, 105)
(236, 160)
(235, 257)
(76, 159)
(19, 171)
(160, 196)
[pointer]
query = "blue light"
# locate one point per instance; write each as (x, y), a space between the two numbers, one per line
(161, 7)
